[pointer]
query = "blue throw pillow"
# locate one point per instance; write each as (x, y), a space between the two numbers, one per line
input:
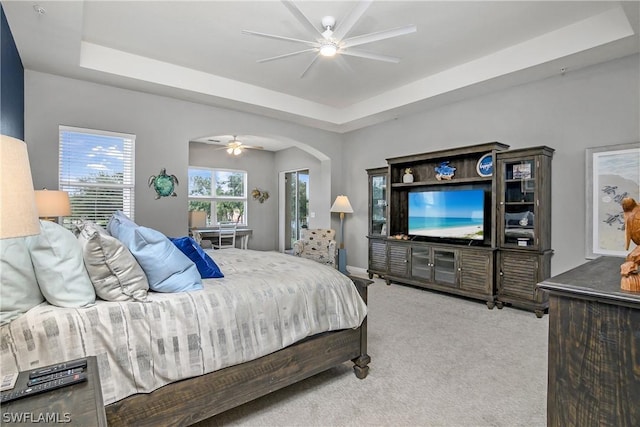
(206, 266)
(166, 267)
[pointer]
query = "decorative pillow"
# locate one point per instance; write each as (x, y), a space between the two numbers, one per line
(57, 260)
(19, 290)
(113, 270)
(166, 267)
(206, 266)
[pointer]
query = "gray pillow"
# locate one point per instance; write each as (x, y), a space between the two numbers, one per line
(57, 260)
(113, 270)
(19, 290)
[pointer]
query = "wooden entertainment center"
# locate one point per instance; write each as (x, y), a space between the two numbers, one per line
(502, 263)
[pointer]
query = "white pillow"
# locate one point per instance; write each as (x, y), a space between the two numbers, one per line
(166, 267)
(113, 270)
(19, 289)
(57, 260)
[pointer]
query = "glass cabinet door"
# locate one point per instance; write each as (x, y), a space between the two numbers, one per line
(519, 203)
(420, 262)
(444, 266)
(378, 204)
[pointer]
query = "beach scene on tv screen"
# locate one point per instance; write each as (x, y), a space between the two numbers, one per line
(448, 214)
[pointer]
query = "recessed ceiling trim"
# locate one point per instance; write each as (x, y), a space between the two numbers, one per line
(117, 62)
(595, 31)
(601, 29)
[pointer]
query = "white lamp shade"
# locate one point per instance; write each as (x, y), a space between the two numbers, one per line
(52, 203)
(18, 214)
(197, 219)
(342, 205)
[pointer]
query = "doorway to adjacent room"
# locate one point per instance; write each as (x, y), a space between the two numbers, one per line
(296, 205)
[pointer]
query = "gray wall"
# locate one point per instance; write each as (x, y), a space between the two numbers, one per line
(590, 107)
(163, 129)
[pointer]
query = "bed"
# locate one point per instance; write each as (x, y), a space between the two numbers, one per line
(178, 358)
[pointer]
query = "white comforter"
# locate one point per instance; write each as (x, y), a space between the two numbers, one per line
(265, 302)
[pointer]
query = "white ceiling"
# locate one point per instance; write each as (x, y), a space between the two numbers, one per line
(196, 51)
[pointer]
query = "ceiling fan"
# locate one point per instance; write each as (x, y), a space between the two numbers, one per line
(332, 41)
(236, 147)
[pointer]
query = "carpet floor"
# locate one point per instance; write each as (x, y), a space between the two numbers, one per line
(436, 360)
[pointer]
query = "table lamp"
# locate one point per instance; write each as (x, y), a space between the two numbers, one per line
(197, 219)
(52, 204)
(18, 214)
(342, 206)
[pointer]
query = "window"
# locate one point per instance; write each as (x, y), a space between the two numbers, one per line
(221, 193)
(97, 169)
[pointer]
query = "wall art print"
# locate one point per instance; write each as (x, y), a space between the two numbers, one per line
(613, 173)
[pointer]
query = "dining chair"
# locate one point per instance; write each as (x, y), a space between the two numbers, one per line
(226, 236)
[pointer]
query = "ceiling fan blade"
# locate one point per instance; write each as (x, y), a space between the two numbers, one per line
(253, 147)
(343, 64)
(380, 35)
(273, 36)
(344, 26)
(370, 55)
(309, 66)
(301, 17)
(287, 55)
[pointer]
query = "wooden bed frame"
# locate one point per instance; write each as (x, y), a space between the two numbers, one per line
(189, 401)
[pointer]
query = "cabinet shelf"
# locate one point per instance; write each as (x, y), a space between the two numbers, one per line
(524, 256)
(443, 182)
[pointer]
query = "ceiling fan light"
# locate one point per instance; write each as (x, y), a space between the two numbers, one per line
(230, 150)
(328, 49)
(237, 151)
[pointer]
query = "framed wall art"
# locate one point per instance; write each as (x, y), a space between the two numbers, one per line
(612, 173)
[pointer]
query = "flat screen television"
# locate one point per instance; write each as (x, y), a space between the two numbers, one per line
(448, 214)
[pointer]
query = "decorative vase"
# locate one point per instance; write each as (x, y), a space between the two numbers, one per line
(407, 178)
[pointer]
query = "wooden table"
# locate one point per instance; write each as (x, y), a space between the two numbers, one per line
(78, 404)
(242, 233)
(594, 347)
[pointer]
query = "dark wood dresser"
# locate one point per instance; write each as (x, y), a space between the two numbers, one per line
(594, 347)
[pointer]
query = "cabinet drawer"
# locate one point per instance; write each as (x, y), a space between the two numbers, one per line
(377, 255)
(519, 274)
(476, 271)
(398, 259)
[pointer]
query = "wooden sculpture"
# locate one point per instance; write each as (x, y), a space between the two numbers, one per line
(630, 269)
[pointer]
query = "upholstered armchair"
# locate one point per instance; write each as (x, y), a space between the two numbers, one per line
(317, 244)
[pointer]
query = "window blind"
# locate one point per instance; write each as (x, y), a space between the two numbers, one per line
(97, 169)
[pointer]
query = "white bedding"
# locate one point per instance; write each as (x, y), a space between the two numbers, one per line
(265, 302)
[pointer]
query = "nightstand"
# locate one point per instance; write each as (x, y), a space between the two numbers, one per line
(78, 404)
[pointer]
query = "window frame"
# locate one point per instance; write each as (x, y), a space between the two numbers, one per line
(214, 199)
(68, 183)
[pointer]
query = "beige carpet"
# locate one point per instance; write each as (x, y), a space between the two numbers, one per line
(437, 360)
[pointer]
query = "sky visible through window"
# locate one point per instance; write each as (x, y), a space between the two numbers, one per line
(89, 156)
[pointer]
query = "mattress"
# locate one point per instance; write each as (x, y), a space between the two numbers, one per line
(265, 302)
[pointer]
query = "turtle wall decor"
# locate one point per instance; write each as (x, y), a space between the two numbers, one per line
(163, 184)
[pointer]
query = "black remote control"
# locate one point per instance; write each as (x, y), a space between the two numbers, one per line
(54, 376)
(52, 369)
(41, 388)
